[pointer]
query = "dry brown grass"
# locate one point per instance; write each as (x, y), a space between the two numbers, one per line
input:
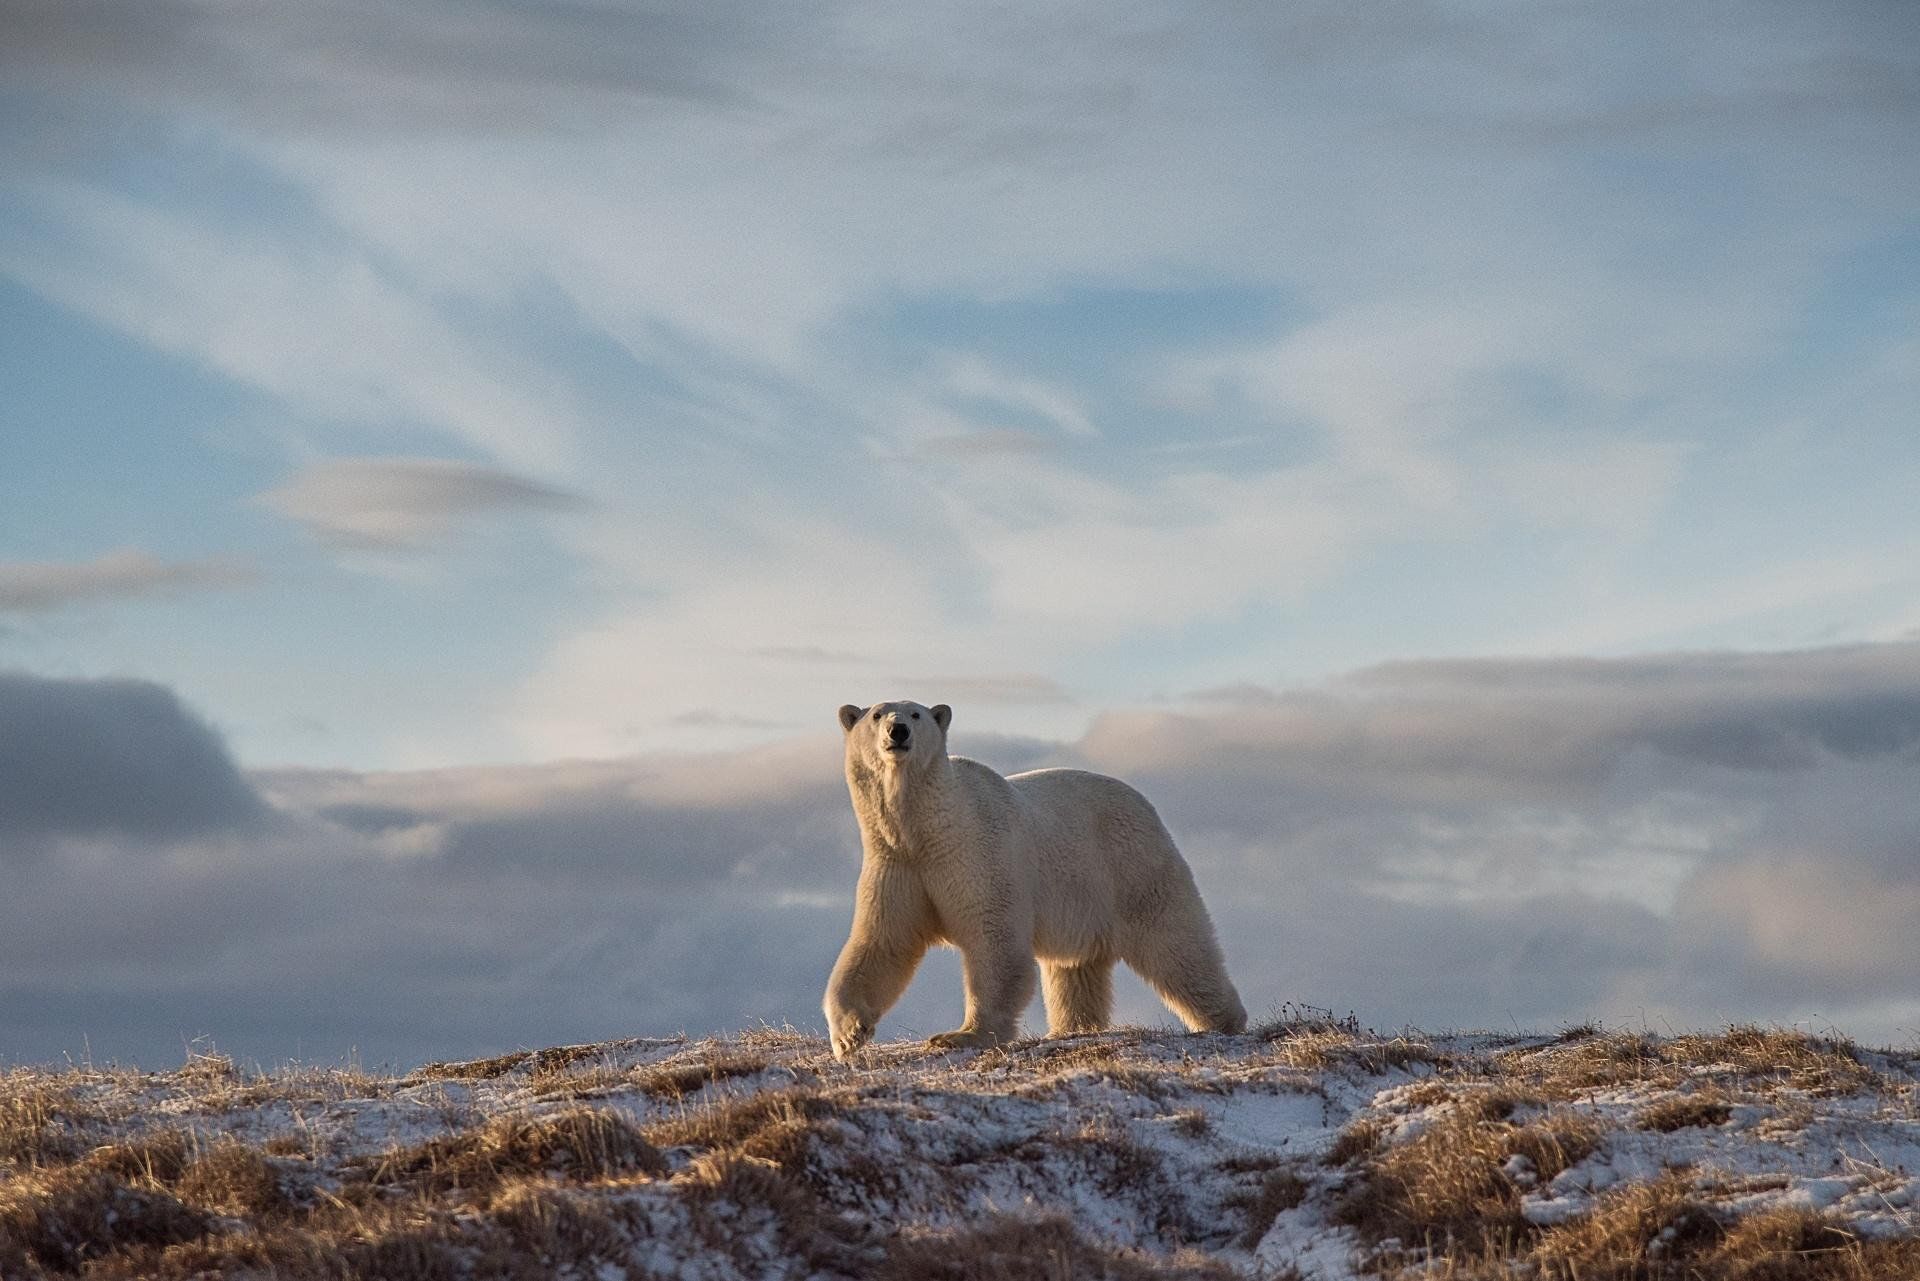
(167, 1205)
(579, 1144)
(1193, 1123)
(833, 1176)
(1042, 1069)
(530, 1230)
(1448, 1187)
(729, 1122)
(35, 1121)
(1794, 1245)
(1778, 1057)
(1683, 1111)
(1632, 1233)
(539, 1063)
(1044, 1249)
(55, 1221)
(1754, 1059)
(1662, 1231)
(224, 1177)
(475, 1069)
(1318, 1049)
(677, 1080)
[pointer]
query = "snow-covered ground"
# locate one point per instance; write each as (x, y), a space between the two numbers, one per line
(1312, 1150)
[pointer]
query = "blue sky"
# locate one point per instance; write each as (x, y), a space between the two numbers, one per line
(510, 384)
(1118, 353)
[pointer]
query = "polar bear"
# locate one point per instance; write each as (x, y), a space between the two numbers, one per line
(1072, 868)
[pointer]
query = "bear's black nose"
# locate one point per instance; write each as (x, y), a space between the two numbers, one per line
(898, 732)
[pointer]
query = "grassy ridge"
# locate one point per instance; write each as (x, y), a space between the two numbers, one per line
(1309, 1148)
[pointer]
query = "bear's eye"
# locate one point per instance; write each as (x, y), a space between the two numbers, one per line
(916, 716)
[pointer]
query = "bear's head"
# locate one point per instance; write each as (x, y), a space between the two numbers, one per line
(904, 736)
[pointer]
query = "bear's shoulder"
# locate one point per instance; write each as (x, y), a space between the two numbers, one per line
(974, 772)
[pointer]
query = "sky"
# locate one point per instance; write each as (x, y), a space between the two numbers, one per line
(1457, 458)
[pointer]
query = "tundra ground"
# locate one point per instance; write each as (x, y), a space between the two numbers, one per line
(1306, 1149)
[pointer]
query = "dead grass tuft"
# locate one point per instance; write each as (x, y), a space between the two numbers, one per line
(207, 1067)
(475, 1069)
(159, 1158)
(560, 1227)
(41, 1123)
(1193, 1123)
(1682, 1111)
(1323, 1050)
(1638, 1231)
(1569, 1069)
(1663, 1231)
(1796, 1245)
(1293, 1019)
(1750, 1058)
(677, 1080)
(235, 1179)
(769, 1038)
(729, 1122)
(1660, 1231)
(580, 1144)
(1777, 1056)
(1048, 1249)
(58, 1220)
(1452, 1184)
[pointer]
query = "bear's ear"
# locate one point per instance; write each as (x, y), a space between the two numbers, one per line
(941, 715)
(850, 716)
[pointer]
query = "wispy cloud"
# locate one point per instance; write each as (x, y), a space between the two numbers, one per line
(974, 378)
(405, 502)
(1130, 347)
(28, 587)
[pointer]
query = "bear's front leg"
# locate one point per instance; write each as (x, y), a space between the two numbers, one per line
(1000, 978)
(888, 939)
(866, 982)
(847, 1029)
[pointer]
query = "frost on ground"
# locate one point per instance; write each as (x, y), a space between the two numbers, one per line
(1308, 1149)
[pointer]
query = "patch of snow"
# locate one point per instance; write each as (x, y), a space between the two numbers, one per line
(1301, 1238)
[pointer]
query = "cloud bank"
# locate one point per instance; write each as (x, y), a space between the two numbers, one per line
(1679, 840)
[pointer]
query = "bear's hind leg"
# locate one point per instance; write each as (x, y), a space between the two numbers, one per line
(1079, 996)
(1186, 970)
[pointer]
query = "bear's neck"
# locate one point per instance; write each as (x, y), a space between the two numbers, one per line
(899, 811)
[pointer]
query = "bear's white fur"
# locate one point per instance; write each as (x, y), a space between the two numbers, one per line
(1072, 868)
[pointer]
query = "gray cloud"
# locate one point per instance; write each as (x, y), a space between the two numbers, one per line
(405, 502)
(347, 64)
(1557, 731)
(86, 757)
(1678, 840)
(28, 587)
